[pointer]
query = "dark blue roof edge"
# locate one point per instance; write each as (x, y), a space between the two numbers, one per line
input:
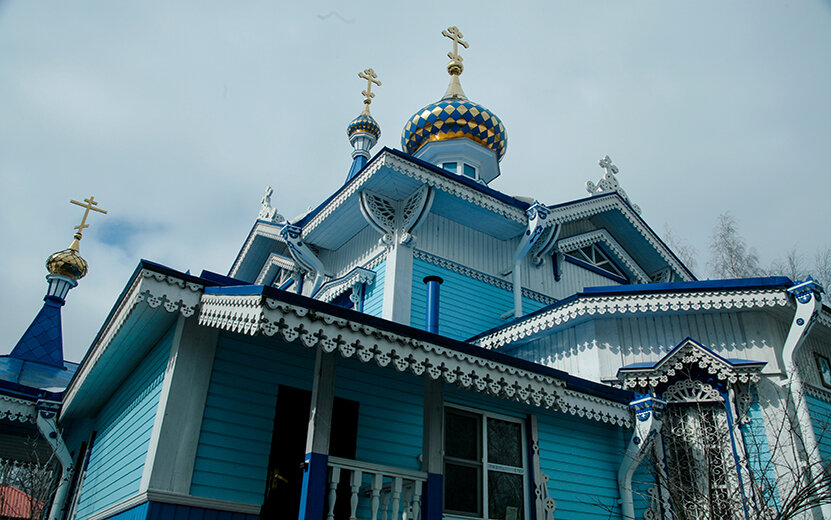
(28, 392)
(781, 282)
(572, 382)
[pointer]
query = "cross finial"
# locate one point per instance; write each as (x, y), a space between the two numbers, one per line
(455, 66)
(370, 77)
(90, 205)
(607, 165)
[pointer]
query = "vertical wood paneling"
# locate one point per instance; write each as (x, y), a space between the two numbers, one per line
(355, 252)
(124, 426)
(374, 294)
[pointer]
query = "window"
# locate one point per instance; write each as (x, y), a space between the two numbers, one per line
(595, 257)
(470, 171)
(467, 169)
(484, 465)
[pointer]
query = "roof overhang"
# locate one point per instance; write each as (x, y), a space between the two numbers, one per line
(629, 300)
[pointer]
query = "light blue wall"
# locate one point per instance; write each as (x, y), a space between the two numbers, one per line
(232, 456)
(820, 411)
(759, 457)
(374, 294)
(580, 457)
(390, 412)
(124, 426)
(468, 306)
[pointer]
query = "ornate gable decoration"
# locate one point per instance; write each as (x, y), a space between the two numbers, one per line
(688, 355)
(396, 220)
(355, 279)
(609, 183)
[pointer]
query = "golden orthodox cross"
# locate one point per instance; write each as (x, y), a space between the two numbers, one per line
(90, 205)
(370, 77)
(456, 35)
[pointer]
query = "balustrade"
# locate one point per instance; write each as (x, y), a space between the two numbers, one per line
(376, 492)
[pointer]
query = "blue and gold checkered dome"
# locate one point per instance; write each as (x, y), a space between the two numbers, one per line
(364, 123)
(451, 118)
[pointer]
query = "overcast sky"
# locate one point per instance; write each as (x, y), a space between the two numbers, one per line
(177, 115)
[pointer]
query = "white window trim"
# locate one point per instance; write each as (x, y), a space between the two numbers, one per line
(487, 466)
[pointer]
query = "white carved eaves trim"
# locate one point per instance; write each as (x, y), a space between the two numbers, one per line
(273, 263)
(17, 410)
(569, 244)
(334, 288)
(818, 392)
(420, 174)
(156, 291)
(684, 358)
(314, 329)
(482, 277)
(595, 408)
(611, 306)
(263, 229)
(823, 318)
(594, 205)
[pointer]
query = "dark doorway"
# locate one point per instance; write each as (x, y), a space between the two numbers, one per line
(288, 450)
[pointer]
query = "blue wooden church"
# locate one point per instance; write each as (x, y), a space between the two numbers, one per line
(422, 346)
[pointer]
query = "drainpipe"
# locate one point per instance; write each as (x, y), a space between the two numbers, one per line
(47, 411)
(537, 223)
(649, 414)
(433, 283)
(807, 295)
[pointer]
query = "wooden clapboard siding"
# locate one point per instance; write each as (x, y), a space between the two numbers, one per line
(758, 450)
(159, 511)
(355, 252)
(820, 411)
(467, 306)
(374, 293)
(232, 456)
(390, 412)
(580, 457)
(596, 349)
(124, 427)
(456, 242)
(136, 513)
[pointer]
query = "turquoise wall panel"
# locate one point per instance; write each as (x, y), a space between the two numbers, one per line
(468, 306)
(124, 427)
(390, 412)
(580, 457)
(820, 411)
(759, 456)
(234, 444)
(374, 293)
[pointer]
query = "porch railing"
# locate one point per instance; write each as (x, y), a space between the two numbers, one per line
(392, 493)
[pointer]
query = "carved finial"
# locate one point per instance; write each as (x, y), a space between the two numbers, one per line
(454, 68)
(609, 182)
(370, 77)
(268, 213)
(88, 204)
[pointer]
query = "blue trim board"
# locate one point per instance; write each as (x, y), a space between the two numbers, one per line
(314, 485)
(163, 511)
(432, 506)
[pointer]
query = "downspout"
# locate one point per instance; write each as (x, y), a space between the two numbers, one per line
(807, 295)
(649, 413)
(432, 318)
(47, 412)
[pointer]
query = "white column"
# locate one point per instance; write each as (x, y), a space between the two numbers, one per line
(398, 284)
(172, 451)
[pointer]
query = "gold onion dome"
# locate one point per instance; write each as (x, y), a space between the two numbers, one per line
(68, 262)
(454, 115)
